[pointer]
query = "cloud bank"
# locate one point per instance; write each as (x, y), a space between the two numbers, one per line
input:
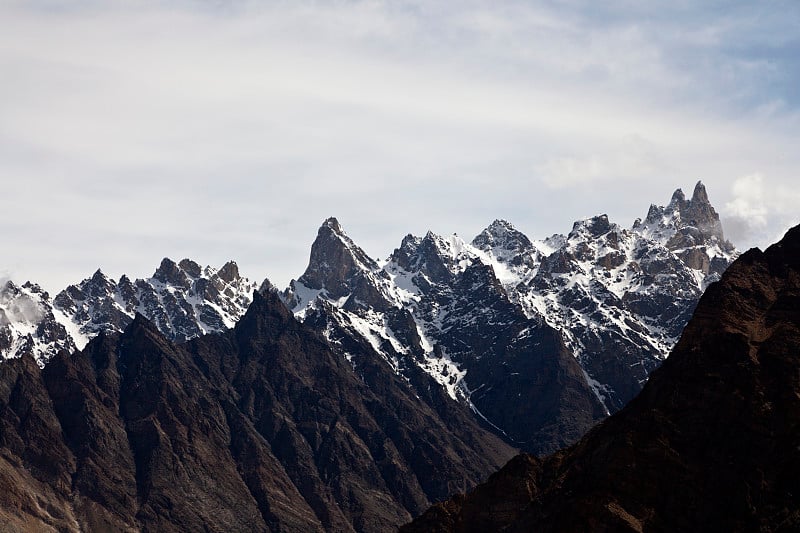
(231, 130)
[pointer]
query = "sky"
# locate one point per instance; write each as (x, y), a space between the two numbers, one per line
(133, 131)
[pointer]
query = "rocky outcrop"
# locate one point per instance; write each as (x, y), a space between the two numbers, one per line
(711, 443)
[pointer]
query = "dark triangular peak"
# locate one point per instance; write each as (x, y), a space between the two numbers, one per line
(267, 314)
(335, 260)
(502, 235)
(229, 272)
(142, 328)
(716, 428)
(267, 286)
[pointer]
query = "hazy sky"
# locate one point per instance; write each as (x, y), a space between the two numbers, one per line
(130, 131)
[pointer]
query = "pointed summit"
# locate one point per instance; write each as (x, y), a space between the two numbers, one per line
(405, 255)
(503, 235)
(266, 316)
(229, 272)
(699, 213)
(678, 197)
(700, 196)
(99, 276)
(686, 223)
(335, 260)
(333, 224)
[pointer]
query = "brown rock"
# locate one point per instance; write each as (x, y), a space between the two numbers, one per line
(711, 444)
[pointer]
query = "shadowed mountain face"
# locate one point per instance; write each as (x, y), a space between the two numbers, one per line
(558, 333)
(712, 443)
(261, 428)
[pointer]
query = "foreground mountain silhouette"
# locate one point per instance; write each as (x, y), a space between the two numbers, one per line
(712, 443)
(260, 428)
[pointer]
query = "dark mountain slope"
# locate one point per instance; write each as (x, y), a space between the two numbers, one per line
(711, 444)
(262, 428)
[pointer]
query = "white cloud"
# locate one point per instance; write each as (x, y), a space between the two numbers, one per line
(749, 200)
(222, 131)
(760, 211)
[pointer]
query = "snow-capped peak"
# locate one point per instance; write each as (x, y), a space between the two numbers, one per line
(502, 235)
(615, 294)
(182, 299)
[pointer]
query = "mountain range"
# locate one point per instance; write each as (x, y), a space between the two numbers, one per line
(365, 393)
(712, 443)
(558, 332)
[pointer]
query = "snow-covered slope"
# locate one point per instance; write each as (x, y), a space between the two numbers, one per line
(29, 323)
(470, 315)
(184, 300)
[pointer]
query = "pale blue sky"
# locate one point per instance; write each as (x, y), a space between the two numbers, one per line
(230, 130)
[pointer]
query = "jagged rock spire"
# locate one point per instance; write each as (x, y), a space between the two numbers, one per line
(695, 219)
(335, 259)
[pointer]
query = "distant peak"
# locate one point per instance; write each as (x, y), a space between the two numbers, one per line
(410, 240)
(229, 272)
(167, 264)
(596, 226)
(499, 225)
(168, 272)
(700, 196)
(335, 259)
(501, 222)
(503, 234)
(682, 215)
(190, 267)
(267, 286)
(98, 282)
(333, 223)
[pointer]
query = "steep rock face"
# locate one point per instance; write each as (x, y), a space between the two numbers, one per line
(712, 442)
(260, 428)
(495, 321)
(335, 261)
(183, 300)
(437, 314)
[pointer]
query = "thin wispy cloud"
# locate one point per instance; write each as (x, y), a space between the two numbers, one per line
(231, 130)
